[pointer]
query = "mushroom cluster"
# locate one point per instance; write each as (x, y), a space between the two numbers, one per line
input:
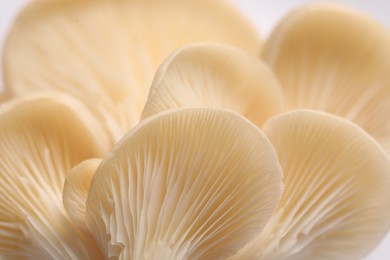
(169, 130)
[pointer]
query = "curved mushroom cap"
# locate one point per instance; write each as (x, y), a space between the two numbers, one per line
(336, 199)
(185, 184)
(218, 76)
(337, 60)
(76, 189)
(41, 138)
(105, 52)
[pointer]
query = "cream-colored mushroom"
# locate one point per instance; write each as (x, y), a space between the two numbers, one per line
(215, 75)
(41, 138)
(336, 199)
(331, 58)
(185, 184)
(105, 52)
(76, 189)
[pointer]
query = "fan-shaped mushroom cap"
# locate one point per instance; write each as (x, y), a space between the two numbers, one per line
(185, 184)
(336, 199)
(105, 52)
(76, 189)
(218, 76)
(41, 138)
(337, 60)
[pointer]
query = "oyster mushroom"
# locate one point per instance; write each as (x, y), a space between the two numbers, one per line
(76, 189)
(335, 204)
(333, 59)
(41, 138)
(105, 52)
(194, 183)
(215, 75)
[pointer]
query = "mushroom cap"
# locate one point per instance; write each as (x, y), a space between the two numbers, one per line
(105, 52)
(328, 57)
(41, 138)
(76, 189)
(215, 75)
(335, 204)
(193, 183)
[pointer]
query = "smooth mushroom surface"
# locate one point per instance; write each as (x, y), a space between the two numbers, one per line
(105, 52)
(335, 204)
(215, 75)
(193, 183)
(41, 138)
(331, 58)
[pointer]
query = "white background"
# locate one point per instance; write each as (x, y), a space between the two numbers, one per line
(264, 15)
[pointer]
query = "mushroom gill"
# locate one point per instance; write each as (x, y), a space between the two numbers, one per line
(335, 204)
(215, 75)
(105, 52)
(193, 183)
(41, 138)
(333, 59)
(76, 189)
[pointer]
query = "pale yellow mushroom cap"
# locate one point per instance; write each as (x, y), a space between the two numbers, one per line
(185, 184)
(337, 60)
(335, 204)
(41, 138)
(76, 189)
(215, 75)
(105, 52)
